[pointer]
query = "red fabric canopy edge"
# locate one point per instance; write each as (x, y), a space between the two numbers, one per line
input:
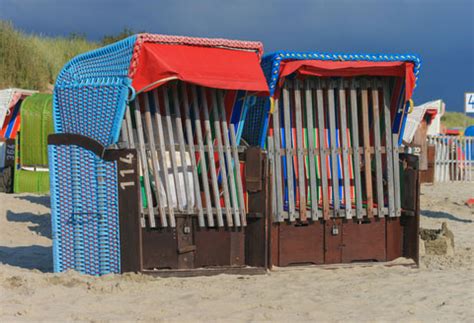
(218, 68)
(351, 68)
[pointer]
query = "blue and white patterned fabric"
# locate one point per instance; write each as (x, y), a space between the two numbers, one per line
(90, 98)
(256, 123)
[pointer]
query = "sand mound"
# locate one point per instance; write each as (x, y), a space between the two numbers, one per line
(437, 241)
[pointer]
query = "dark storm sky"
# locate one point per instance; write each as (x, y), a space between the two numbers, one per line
(442, 32)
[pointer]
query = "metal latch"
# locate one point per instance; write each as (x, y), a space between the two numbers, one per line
(335, 230)
(187, 249)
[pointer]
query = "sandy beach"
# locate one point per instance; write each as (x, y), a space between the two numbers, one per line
(441, 290)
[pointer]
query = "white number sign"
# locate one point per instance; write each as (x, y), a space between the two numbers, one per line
(469, 102)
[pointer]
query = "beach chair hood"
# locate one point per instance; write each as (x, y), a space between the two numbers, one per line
(280, 65)
(10, 102)
(432, 111)
(104, 79)
(220, 63)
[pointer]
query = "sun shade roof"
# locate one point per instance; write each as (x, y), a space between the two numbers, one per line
(349, 69)
(215, 63)
(341, 65)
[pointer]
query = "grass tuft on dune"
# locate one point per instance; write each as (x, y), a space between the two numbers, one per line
(34, 61)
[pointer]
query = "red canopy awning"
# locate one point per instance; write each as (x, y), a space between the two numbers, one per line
(219, 68)
(452, 132)
(351, 68)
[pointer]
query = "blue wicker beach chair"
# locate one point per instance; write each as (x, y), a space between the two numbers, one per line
(332, 128)
(147, 132)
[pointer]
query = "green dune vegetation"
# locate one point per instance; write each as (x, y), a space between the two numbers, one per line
(456, 120)
(33, 61)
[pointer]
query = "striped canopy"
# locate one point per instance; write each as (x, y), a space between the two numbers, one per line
(10, 102)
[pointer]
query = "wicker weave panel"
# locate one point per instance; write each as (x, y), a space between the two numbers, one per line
(252, 132)
(36, 120)
(29, 181)
(103, 66)
(92, 111)
(89, 99)
(85, 225)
